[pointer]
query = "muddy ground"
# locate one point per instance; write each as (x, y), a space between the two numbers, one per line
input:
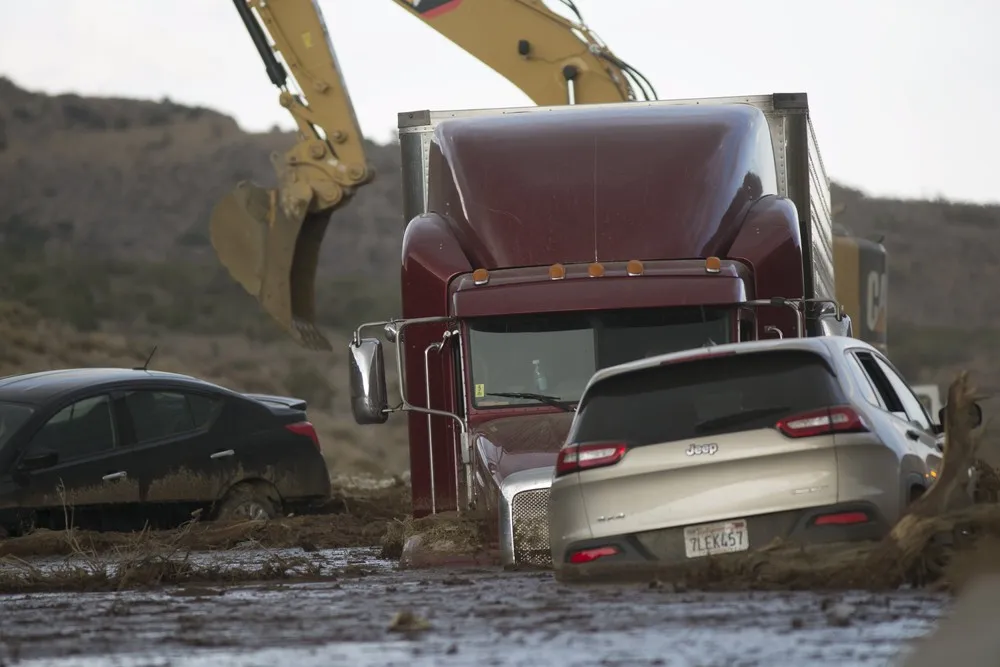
(369, 613)
(320, 590)
(355, 516)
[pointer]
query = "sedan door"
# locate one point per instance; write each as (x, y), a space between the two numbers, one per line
(180, 463)
(74, 469)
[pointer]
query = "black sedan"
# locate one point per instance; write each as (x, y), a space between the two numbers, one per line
(116, 449)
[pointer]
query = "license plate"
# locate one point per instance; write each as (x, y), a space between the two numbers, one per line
(716, 538)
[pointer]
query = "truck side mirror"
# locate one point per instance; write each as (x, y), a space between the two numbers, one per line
(829, 325)
(975, 415)
(369, 395)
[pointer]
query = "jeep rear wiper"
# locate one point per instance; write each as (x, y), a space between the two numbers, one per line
(554, 401)
(739, 417)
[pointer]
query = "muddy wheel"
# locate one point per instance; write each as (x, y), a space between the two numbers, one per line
(249, 501)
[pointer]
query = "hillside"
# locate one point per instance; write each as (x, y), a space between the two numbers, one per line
(104, 208)
(140, 178)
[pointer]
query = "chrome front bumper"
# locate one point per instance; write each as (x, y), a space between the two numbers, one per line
(524, 520)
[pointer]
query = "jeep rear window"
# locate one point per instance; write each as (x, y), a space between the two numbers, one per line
(12, 416)
(705, 397)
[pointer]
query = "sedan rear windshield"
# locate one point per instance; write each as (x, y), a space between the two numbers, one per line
(705, 397)
(12, 416)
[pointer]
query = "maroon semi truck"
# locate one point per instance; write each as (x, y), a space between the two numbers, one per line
(544, 243)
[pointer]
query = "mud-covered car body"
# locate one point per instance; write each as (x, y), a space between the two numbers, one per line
(726, 448)
(119, 449)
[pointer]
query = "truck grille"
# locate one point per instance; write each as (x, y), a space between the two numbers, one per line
(529, 511)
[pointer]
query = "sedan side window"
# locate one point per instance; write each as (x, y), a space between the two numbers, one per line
(204, 409)
(914, 410)
(82, 429)
(157, 415)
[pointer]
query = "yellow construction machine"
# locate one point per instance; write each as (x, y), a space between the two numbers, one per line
(269, 239)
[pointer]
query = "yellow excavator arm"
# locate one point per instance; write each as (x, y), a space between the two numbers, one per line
(269, 239)
(551, 59)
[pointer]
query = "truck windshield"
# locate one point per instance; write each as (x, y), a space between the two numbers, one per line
(555, 354)
(12, 416)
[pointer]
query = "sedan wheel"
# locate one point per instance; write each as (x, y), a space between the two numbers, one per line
(249, 502)
(251, 510)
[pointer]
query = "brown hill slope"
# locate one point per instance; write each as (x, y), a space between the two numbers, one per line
(103, 232)
(136, 179)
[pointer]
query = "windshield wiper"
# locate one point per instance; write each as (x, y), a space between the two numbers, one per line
(732, 420)
(554, 401)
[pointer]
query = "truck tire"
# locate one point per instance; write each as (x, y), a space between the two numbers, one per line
(249, 501)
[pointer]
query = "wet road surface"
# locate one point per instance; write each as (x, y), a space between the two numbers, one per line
(475, 617)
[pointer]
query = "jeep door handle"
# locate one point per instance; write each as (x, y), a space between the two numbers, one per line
(115, 475)
(913, 435)
(223, 454)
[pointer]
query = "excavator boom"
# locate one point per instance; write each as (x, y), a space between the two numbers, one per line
(551, 59)
(269, 239)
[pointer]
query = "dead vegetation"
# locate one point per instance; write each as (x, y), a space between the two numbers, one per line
(437, 539)
(939, 542)
(146, 561)
(115, 561)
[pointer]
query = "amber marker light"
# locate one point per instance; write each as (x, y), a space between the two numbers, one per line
(480, 276)
(634, 267)
(713, 264)
(557, 272)
(595, 270)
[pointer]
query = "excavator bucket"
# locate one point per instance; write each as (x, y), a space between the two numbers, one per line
(273, 253)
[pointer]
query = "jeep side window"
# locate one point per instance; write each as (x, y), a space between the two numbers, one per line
(82, 429)
(911, 405)
(890, 399)
(864, 382)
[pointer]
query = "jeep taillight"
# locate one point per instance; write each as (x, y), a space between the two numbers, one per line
(838, 419)
(590, 555)
(841, 519)
(306, 429)
(574, 458)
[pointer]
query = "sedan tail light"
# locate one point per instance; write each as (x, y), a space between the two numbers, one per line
(838, 419)
(304, 428)
(574, 458)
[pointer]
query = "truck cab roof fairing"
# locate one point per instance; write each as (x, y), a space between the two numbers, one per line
(534, 189)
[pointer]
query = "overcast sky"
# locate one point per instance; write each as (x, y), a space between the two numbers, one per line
(904, 93)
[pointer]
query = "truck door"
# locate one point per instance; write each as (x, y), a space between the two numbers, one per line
(445, 384)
